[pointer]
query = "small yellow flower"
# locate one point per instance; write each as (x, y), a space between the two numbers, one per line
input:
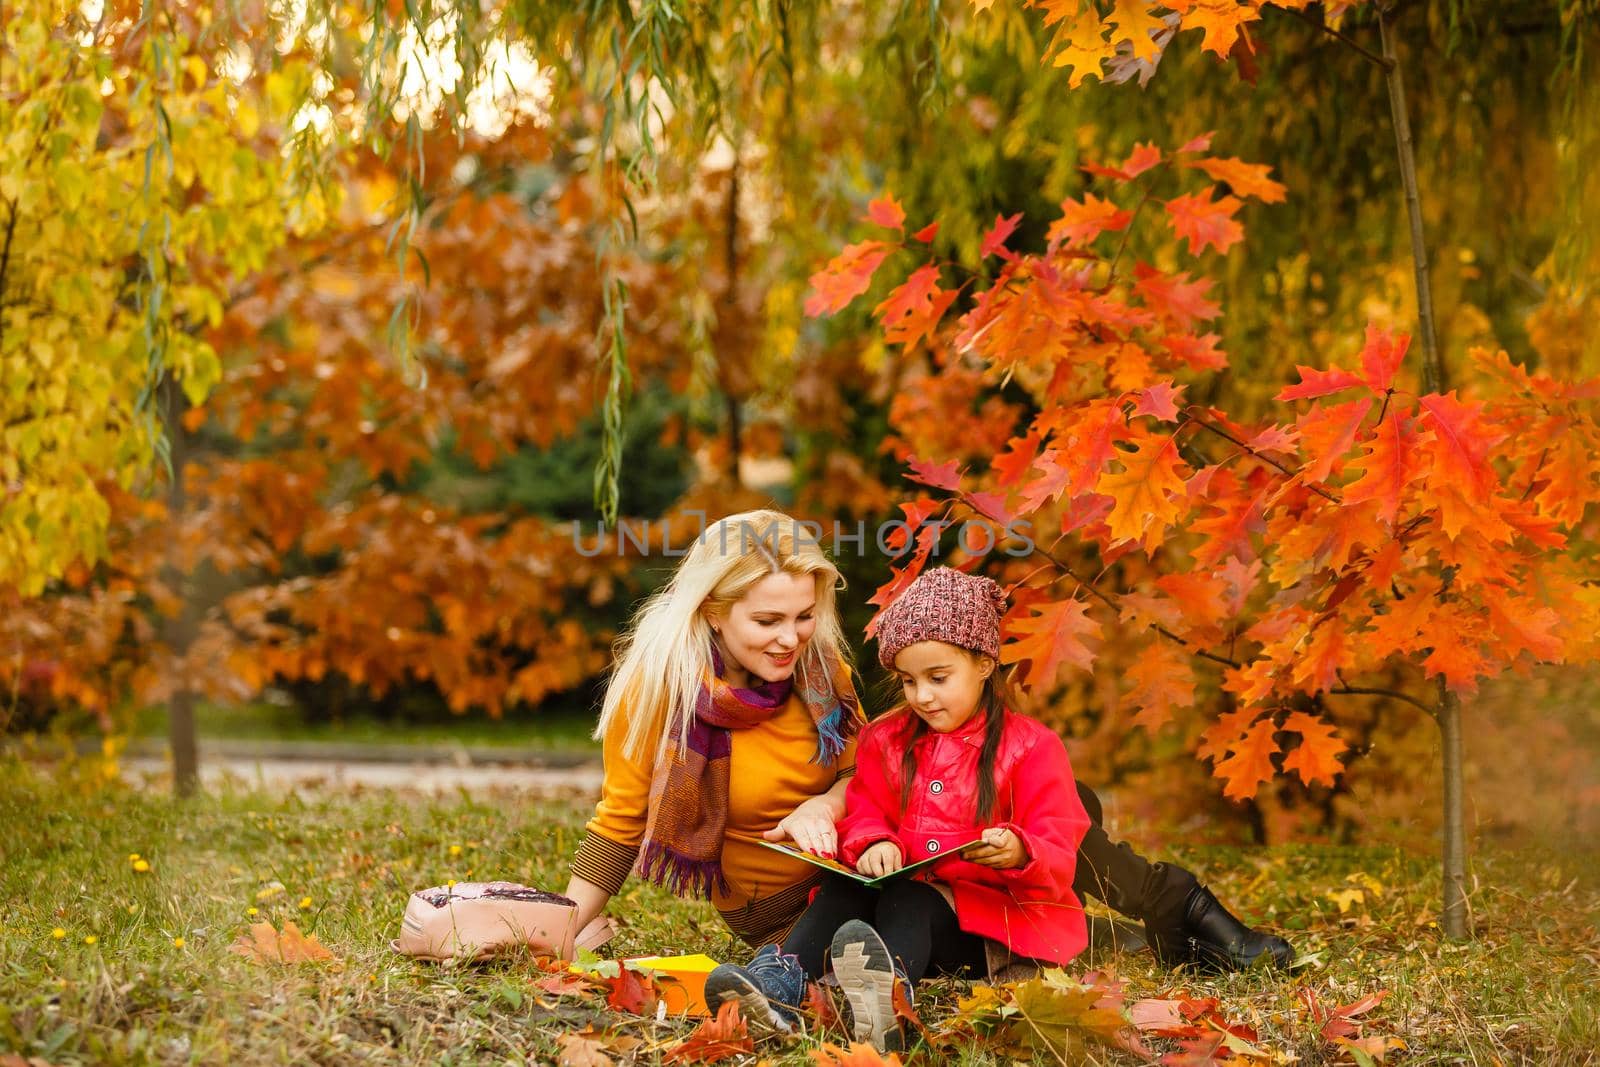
(91, 939)
(449, 882)
(132, 908)
(133, 857)
(58, 933)
(455, 850)
(141, 865)
(305, 903)
(177, 942)
(252, 911)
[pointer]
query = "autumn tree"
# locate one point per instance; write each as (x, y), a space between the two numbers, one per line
(1276, 553)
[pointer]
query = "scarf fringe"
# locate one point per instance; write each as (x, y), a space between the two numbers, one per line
(832, 734)
(680, 874)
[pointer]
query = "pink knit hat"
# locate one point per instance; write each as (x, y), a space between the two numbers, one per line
(943, 605)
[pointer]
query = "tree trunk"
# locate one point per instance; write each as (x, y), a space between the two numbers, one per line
(178, 632)
(1448, 711)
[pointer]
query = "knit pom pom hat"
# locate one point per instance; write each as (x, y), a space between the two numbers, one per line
(943, 605)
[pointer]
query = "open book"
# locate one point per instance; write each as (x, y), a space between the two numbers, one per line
(839, 868)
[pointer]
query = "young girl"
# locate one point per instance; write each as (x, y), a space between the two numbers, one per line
(952, 767)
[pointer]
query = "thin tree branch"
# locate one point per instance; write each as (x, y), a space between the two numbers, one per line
(1362, 690)
(1269, 461)
(1344, 39)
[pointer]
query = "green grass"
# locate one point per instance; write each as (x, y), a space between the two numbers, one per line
(1521, 993)
(558, 730)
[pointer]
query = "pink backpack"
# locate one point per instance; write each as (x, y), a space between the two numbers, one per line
(475, 920)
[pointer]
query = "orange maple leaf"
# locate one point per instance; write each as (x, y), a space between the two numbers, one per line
(858, 1055)
(1222, 21)
(1388, 466)
(1081, 222)
(265, 944)
(1246, 179)
(1326, 434)
(1317, 756)
(1251, 761)
(912, 310)
(886, 211)
(715, 1039)
(1163, 681)
(1147, 493)
(1174, 297)
(1132, 21)
(1079, 42)
(847, 276)
(1051, 636)
(1204, 221)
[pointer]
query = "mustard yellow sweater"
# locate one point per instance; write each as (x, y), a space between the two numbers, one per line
(770, 773)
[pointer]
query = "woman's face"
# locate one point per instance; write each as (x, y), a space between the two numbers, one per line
(942, 683)
(763, 634)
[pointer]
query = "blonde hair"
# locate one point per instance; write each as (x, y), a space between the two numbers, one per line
(664, 657)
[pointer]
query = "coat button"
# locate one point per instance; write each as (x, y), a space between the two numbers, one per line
(933, 846)
(936, 786)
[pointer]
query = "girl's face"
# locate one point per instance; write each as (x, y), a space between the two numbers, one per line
(763, 634)
(942, 683)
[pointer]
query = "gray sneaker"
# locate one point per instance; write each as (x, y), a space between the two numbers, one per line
(770, 989)
(867, 976)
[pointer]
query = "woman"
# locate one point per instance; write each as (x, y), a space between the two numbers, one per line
(730, 720)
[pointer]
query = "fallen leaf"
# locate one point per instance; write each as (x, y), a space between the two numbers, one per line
(715, 1039)
(264, 944)
(580, 1051)
(631, 992)
(859, 1055)
(565, 984)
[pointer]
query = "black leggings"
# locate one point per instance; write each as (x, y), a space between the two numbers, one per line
(916, 924)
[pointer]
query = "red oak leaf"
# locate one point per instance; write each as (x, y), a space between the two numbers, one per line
(886, 211)
(1250, 761)
(1052, 635)
(1326, 434)
(1147, 492)
(1206, 222)
(1081, 222)
(927, 233)
(1018, 456)
(631, 992)
(715, 1039)
(1315, 383)
(994, 242)
(1160, 400)
(1163, 681)
(940, 475)
(1173, 296)
(1381, 357)
(1317, 757)
(1389, 465)
(847, 276)
(912, 310)
(1246, 179)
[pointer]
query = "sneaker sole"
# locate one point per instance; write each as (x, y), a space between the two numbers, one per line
(866, 977)
(754, 1007)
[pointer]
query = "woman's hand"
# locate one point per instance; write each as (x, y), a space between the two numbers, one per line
(879, 860)
(810, 826)
(1001, 849)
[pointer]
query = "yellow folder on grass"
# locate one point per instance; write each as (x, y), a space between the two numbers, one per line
(681, 980)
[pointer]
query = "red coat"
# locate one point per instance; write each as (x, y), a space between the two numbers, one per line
(1030, 909)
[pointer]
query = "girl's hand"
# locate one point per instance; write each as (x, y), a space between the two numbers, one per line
(1001, 849)
(879, 860)
(810, 826)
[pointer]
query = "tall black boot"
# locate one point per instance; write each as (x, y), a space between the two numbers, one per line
(1187, 925)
